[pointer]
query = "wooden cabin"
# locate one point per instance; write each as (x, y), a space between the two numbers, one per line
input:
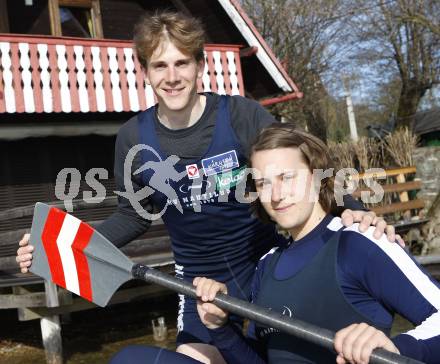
(68, 80)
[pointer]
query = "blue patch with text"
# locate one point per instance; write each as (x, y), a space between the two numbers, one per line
(220, 163)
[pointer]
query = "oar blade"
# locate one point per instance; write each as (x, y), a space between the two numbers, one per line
(74, 256)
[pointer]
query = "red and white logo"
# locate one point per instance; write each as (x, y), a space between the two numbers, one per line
(192, 171)
(64, 239)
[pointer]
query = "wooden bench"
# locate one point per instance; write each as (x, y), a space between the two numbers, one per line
(400, 205)
(36, 299)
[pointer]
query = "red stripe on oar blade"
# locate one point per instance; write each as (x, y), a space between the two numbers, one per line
(81, 241)
(49, 237)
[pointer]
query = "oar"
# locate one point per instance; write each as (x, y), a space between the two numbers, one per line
(76, 257)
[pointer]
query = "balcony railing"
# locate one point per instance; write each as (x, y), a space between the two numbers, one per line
(47, 74)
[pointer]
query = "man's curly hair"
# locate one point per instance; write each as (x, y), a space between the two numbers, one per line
(185, 32)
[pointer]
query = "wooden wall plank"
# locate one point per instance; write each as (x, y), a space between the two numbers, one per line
(87, 4)
(4, 21)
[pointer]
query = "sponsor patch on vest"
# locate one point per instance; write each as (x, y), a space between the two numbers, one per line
(192, 171)
(220, 163)
(229, 179)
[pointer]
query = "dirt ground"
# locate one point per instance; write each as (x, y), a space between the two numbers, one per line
(93, 336)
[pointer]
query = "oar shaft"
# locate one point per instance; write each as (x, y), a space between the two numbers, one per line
(297, 328)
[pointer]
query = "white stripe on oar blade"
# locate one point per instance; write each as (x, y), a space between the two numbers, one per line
(64, 241)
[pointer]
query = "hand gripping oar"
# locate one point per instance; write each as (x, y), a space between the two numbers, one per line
(71, 254)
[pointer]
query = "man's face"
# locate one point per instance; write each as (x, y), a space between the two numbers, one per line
(284, 186)
(173, 76)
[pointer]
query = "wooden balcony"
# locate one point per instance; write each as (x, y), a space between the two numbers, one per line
(49, 74)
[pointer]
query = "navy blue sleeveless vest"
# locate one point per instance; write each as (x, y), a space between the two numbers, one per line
(312, 295)
(212, 233)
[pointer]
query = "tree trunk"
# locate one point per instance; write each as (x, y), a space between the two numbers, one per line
(409, 99)
(317, 125)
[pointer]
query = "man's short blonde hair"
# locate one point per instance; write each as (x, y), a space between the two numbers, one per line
(185, 32)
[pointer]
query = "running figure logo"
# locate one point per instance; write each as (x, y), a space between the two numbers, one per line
(163, 172)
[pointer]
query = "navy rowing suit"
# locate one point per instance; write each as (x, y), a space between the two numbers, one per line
(212, 233)
(312, 294)
(333, 277)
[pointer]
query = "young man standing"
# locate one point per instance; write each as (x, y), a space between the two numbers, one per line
(212, 234)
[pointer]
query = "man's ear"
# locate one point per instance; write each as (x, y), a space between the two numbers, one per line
(200, 68)
(147, 79)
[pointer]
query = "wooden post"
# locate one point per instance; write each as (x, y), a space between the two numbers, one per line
(4, 22)
(54, 17)
(51, 328)
(95, 13)
(19, 290)
(400, 178)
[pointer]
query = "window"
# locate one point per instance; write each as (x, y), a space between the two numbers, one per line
(78, 18)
